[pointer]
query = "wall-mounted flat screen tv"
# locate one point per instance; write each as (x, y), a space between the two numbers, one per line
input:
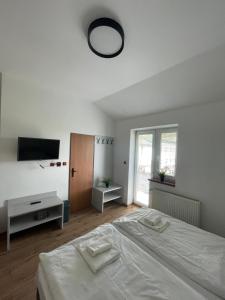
(37, 149)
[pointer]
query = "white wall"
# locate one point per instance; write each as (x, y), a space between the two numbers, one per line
(28, 110)
(200, 157)
(103, 161)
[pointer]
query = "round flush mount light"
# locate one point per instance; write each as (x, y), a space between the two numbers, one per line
(105, 37)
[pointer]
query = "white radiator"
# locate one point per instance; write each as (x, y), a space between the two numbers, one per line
(179, 207)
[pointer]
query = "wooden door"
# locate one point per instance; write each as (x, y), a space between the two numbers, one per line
(81, 171)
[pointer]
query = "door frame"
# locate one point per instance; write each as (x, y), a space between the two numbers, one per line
(137, 133)
(69, 195)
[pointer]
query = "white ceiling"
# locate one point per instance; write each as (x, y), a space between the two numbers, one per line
(45, 42)
(197, 80)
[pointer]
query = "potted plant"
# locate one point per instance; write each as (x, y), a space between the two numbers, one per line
(162, 174)
(107, 182)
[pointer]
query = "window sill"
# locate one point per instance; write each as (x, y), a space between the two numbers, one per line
(169, 183)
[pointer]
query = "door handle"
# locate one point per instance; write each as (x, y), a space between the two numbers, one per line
(72, 172)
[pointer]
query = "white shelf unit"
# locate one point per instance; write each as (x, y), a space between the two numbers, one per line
(102, 195)
(22, 213)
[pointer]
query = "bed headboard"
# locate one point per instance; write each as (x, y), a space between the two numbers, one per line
(177, 206)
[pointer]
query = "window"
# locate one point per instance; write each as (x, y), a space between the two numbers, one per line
(143, 166)
(168, 149)
(156, 151)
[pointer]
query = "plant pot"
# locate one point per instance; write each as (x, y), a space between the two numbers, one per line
(107, 185)
(162, 177)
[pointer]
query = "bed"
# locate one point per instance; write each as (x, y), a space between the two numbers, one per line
(63, 274)
(193, 252)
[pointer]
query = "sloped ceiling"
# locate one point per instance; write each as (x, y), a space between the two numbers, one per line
(45, 42)
(195, 81)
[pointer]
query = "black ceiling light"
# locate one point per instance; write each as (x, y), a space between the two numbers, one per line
(106, 37)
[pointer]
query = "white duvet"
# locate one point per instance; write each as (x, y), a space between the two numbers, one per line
(135, 275)
(198, 254)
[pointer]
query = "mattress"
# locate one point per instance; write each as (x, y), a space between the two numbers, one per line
(198, 254)
(135, 275)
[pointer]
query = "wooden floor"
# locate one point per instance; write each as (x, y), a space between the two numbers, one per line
(18, 268)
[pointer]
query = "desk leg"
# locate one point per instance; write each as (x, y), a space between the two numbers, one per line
(62, 220)
(97, 200)
(60, 223)
(8, 234)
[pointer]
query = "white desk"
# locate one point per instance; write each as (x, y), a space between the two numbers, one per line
(22, 212)
(102, 195)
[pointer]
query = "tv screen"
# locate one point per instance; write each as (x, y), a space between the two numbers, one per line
(37, 149)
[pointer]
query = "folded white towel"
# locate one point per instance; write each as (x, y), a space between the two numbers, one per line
(98, 246)
(160, 227)
(98, 262)
(152, 220)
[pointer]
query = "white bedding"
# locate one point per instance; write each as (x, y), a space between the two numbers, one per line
(135, 275)
(198, 254)
(42, 285)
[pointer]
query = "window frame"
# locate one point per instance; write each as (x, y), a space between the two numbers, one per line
(156, 152)
(156, 155)
(142, 132)
(159, 132)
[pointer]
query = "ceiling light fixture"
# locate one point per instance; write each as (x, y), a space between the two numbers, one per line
(106, 37)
